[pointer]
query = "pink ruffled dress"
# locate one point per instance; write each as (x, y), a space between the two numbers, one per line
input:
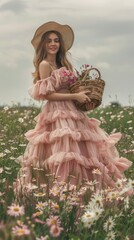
(65, 141)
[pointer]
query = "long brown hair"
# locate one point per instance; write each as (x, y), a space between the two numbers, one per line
(41, 53)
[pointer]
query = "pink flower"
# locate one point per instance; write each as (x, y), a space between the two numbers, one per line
(82, 72)
(70, 76)
(71, 81)
(64, 73)
(55, 230)
(55, 207)
(21, 230)
(39, 221)
(15, 210)
(55, 191)
(36, 214)
(54, 223)
(53, 220)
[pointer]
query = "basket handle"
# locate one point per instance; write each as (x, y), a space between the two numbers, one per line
(88, 70)
(96, 69)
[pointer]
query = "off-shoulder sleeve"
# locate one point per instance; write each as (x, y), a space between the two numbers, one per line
(41, 88)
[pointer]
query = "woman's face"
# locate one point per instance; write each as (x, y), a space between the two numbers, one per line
(52, 44)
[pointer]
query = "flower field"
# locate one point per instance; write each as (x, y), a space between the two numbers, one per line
(61, 210)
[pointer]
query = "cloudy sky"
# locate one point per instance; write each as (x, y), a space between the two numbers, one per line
(104, 38)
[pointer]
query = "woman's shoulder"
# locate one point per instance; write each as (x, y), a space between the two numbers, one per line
(44, 69)
(44, 63)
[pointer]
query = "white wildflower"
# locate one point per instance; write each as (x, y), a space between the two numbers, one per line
(113, 116)
(55, 191)
(7, 151)
(41, 205)
(114, 130)
(39, 194)
(109, 224)
(7, 168)
(129, 121)
(119, 183)
(31, 186)
(96, 205)
(96, 200)
(113, 195)
(43, 238)
(110, 236)
(1, 170)
(6, 108)
(2, 180)
(130, 183)
(98, 211)
(127, 238)
(88, 218)
(2, 154)
(126, 203)
(96, 171)
(21, 120)
(12, 158)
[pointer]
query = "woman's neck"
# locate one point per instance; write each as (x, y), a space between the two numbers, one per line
(51, 60)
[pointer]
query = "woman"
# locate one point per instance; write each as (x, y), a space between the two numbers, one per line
(65, 141)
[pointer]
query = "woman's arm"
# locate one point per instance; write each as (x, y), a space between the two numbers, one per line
(45, 71)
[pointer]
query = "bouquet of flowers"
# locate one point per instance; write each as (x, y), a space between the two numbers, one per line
(87, 79)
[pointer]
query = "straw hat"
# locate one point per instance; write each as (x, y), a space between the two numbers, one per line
(65, 31)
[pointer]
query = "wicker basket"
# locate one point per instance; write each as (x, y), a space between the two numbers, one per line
(95, 86)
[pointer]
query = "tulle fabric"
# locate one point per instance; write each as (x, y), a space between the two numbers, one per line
(65, 141)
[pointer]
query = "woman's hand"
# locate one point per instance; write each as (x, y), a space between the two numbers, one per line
(82, 97)
(90, 106)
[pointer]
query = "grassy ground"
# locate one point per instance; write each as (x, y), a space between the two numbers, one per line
(16, 120)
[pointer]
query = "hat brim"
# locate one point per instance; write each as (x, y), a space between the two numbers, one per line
(65, 31)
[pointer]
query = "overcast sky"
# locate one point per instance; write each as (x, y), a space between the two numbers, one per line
(104, 38)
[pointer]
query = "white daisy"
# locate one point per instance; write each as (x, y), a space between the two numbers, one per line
(109, 224)
(110, 236)
(88, 218)
(15, 210)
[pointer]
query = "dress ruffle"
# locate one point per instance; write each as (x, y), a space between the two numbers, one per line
(46, 86)
(65, 141)
(58, 114)
(41, 88)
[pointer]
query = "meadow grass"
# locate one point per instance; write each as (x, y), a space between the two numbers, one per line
(14, 122)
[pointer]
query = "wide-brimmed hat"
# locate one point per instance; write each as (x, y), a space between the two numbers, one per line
(65, 31)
